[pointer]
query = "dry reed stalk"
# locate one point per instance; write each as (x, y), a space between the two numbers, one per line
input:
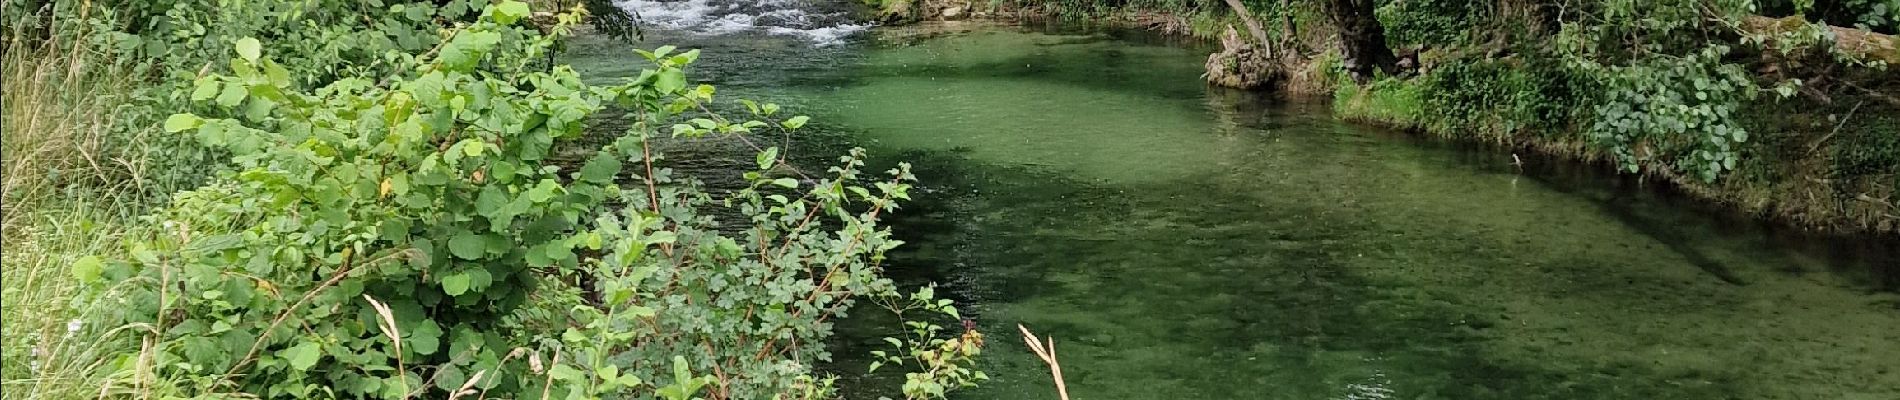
(1048, 355)
(62, 101)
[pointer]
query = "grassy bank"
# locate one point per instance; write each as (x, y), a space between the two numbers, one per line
(68, 196)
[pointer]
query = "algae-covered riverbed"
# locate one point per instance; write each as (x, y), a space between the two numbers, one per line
(1181, 241)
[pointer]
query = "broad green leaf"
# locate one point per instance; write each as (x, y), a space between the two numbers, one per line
(685, 58)
(455, 284)
(768, 157)
(181, 122)
(680, 371)
(426, 337)
(490, 201)
(544, 191)
(399, 183)
(563, 372)
(232, 95)
(472, 148)
(795, 122)
(602, 168)
(449, 377)
(87, 269)
(277, 74)
(249, 48)
(204, 89)
(670, 80)
(303, 355)
(510, 11)
(660, 237)
(467, 246)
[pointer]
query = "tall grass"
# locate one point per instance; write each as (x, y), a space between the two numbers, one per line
(61, 107)
(1390, 101)
(64, 198)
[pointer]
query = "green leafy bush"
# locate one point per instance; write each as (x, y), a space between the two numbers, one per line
(1503, 99)
(1434, 22)
(1669, 96)
(388, 236)
(168, 44)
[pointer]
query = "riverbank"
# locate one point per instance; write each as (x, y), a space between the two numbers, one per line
(1818, 166)
(1823, 157)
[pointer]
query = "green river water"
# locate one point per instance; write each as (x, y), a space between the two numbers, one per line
(1185, 242)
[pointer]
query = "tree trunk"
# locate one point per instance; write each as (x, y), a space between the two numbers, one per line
(1253, 26)
(1287, 32)
(1866, 45)
(1361, 39)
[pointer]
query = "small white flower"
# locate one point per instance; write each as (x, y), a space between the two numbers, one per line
(72, 326)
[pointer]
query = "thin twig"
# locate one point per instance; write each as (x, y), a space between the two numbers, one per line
(1837, 128)
(251, 355)
(549, 383)
(1048, 356)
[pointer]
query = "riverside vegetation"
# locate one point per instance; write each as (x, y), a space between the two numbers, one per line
(1789, 109)
(290, 199)
(296, 199)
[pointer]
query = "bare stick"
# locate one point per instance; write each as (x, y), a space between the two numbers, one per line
(1253, 26)
(261, 337)
(1048, 356)
(1837, 128)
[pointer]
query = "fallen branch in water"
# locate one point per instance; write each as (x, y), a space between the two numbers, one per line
(1048, 356)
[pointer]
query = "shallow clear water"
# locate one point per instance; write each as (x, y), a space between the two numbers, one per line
(1179, 241)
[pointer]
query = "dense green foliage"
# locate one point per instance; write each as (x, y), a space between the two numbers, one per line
(1670, 94)
(1682, 89)
(172, 43)
(1503, 96)
(1653, 85)
(393, 223)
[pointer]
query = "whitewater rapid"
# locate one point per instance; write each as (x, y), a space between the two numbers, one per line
(797, 18)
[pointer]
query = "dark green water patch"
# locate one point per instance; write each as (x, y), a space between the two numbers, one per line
(1184, 242)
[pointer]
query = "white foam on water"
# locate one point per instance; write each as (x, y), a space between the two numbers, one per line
(1376, 387)
(721, 17)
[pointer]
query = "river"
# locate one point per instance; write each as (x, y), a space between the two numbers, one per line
(1186, 242)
